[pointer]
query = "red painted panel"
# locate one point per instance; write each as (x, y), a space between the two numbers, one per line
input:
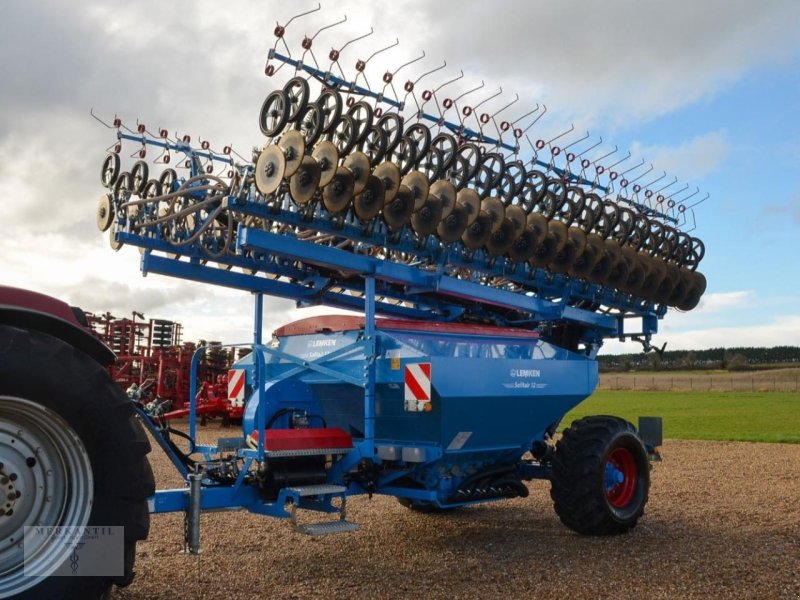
(305, 439)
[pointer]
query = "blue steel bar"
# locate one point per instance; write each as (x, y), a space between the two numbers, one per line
(370, 350)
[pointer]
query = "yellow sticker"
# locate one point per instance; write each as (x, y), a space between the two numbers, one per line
(395, 363)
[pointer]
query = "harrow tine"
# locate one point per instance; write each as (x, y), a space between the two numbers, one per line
(103, 123)
(335, 54)
(388, 80)
(706, 197)
(410, 85)
(493, 116)
(308, 42)
(361, 66)
(431, 95)
(279, 32)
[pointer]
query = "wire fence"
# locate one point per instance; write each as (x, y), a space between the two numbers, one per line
(700, 383)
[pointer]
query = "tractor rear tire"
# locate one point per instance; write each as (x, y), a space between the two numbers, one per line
(600, 476)
(78, 456)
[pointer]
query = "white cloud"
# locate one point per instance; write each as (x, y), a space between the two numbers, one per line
(779, 331)
(693, 159)
(710, 303)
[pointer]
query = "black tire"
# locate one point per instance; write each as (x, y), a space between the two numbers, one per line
(591, 451)
(274, 113)
(37, 369)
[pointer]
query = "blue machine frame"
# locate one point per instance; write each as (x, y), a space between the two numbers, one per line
(440, 292)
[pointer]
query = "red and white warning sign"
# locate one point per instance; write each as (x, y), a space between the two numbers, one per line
(236, 386)
(417, 386)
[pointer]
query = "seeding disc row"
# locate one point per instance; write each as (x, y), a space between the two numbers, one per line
(349, 162)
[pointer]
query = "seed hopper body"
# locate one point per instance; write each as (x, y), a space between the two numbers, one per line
(449, 399)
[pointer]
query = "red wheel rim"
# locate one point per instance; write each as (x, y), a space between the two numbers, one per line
(621, 477)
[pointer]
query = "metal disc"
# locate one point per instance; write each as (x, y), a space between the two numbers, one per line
(418, 184)
(572, 250)
(592, 253)
(452, 227)
(270, 169)
(358, 163)
(398, 212)
(369, 202)
(327, 155)
(501, 239)
(697, 289)
(293, 145)
(668, 284)
(524, 245)
(478, 232)
(304, 184)
(446, 192)
(112, 240)
(545, 252)
(337, 195)
(577, 237)
(558, 231)
(635, 279)
(607, 262)
(518, 218)
(105, 213)
(426, 219)
(538, 225)
(644, 261)
(470, 200)
(389, 174)
(656, 271)
(496, 210)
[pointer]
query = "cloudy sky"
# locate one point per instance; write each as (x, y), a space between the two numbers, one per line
(708, 91)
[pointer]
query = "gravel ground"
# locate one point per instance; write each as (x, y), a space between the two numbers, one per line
(723, 521)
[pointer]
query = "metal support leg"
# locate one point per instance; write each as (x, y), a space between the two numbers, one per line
(370, 351)
(198, 354)
(191, 543)
(258, 321)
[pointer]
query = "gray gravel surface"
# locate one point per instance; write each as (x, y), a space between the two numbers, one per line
(723, 521)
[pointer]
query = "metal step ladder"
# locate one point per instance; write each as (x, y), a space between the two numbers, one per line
(324, 494)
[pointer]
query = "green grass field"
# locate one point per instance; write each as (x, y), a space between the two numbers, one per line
(745, 416)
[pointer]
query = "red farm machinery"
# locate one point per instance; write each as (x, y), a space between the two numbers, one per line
(153, 366)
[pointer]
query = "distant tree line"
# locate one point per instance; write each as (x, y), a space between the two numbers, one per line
(733, 359)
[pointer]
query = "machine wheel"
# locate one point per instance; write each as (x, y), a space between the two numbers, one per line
(75, 456)
(600, 477)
